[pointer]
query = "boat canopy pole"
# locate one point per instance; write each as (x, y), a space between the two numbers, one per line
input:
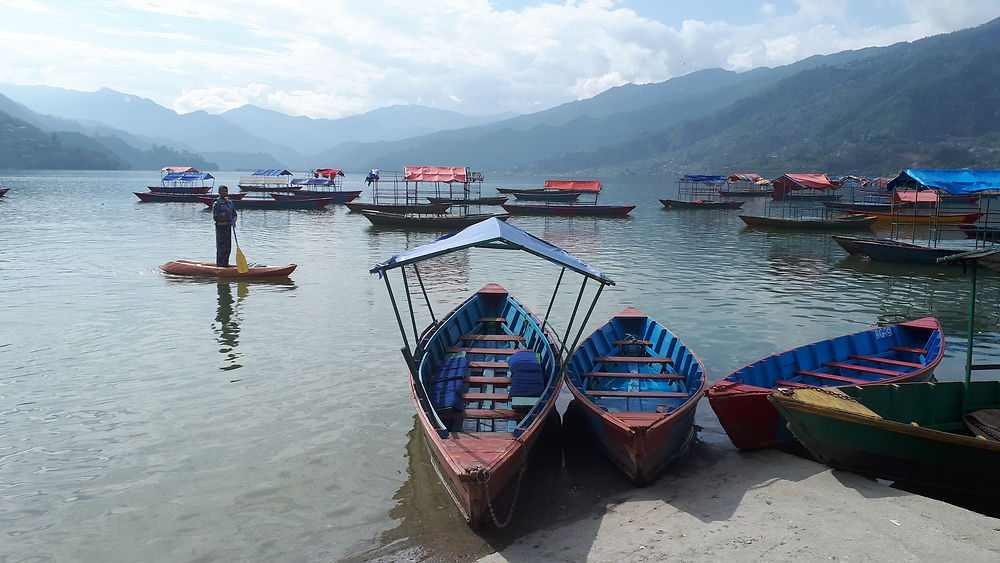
(586, 319)
(424, 290)
(553, 300)
(971, 329)
(399, 320)
(409, 303)
(572, 317)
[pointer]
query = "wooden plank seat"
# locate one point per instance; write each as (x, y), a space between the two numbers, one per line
(484, 413)
(865, 369)
(472, 350)
(831, 377)
(920, 351)
(488, 365)
(491, 320)
(630, 375)
(636, 342)
(638, 394)
(633, 360)
(483, 380)
(795, 384)
(492, 338)
(486, 396)
(888, 361)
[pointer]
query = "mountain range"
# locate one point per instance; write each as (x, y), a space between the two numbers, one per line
(934, 102)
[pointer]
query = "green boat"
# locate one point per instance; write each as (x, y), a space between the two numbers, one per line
(944, 435)
(910, 432)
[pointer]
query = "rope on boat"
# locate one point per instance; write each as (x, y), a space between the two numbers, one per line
(482, 476)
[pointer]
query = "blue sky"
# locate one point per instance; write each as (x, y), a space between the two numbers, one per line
(333, 58)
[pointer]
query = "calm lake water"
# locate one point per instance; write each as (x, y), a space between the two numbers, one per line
(144, 418)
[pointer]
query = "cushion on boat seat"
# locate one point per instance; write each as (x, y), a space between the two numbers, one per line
(525, 375)
(445, 391)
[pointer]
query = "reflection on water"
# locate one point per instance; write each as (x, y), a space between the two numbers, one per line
(228, 322)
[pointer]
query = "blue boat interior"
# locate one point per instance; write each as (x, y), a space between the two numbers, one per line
(634, 364)
(853, 359)
(488, 367)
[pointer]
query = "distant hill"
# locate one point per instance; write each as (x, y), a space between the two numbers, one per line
(931, 103)
(307, 135)
(26, 147)
(100, 146)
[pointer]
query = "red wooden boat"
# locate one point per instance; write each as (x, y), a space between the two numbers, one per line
(160, 197)
(261, 203)
(399, 208)
(577, 210)
(898, 353)
(192, 268)
(638, 387)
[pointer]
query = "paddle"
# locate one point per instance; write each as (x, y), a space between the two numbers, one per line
(241, 260)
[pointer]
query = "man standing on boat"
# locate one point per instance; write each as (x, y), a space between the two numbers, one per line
(224, 214)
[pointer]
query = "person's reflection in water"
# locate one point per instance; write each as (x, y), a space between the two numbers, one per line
(227, 324)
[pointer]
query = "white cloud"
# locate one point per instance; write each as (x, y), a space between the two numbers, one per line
(768, 9)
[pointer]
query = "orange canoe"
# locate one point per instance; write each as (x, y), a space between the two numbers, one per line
(192, 268)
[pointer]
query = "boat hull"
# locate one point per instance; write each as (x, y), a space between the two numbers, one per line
(157, 197)
(337, 197)
(893, 251)
(849, 223)
(546, 196)
(399, 208)
(440, 221)
(259, 203)
(495, 200)
(907, 218)
(581, 210)
(677, 204)
(919, 446)
(180, 189)
(643, 430)
(481, 449)
(208, 269)
(740, 400)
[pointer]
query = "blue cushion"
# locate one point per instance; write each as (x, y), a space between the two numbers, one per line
(525, 374)
(445, 390)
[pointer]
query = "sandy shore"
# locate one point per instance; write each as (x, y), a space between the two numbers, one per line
(721, 504)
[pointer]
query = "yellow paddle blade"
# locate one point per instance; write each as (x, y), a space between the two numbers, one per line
(241, 261)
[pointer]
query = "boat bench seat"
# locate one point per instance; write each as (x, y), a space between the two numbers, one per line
(633, 360)
(492, 338)
(797, 385)
(486, 396)
(638, 394)
(831, 377)
(630, 375)
(491, 320)
(888, 361)
(470, 350)
(920, 351)
(484, 380)
(636, 342)
(484, 413)
(865, 369)
(488, 365)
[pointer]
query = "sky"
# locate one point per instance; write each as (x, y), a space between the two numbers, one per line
(336, 58)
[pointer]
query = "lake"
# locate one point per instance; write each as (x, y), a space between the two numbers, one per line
(154, 419)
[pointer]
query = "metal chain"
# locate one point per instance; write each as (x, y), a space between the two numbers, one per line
(482, 475)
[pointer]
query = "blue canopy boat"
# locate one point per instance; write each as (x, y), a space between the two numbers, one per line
(485, 377)
(183, 180)
(638, 387)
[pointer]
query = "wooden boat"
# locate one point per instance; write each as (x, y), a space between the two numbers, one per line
(261, 203)
(638, 386)
(581, 209)
(3, 191)
(701, 204)
(439, 221)
(918, 433)
(183, 180)
(922, 219)
(268, 180)
(157, 197)
(335, 197)
(891, 250)
(841, 223)
(852, 244)
(489, 200)
(898, 353)
(356, 207)
(179, 190)
(192, 268)
(485, 377)
(546, 195)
